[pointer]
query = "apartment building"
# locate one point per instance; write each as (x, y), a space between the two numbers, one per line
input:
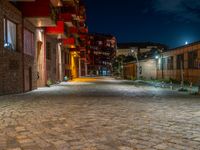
(101, 54)
(40, 42)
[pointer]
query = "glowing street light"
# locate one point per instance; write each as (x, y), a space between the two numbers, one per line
(156, 57)
(186, 43)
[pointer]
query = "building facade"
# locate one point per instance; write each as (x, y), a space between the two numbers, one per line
(101, 54)
(141, 48)
(40, 43)
(178, 64)
(181, 63)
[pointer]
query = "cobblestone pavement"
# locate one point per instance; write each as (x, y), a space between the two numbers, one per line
(99, 114)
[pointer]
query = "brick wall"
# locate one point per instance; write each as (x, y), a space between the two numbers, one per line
(10, 61)
(191, 75)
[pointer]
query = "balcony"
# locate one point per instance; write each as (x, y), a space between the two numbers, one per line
(70, 2)
(83, 30)
(69, 43)
(59, 31)
(41, 13)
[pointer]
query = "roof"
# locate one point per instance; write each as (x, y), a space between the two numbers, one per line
(101, 35)
(184, 46)
(140, 45)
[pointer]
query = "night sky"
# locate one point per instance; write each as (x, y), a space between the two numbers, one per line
(171, 22)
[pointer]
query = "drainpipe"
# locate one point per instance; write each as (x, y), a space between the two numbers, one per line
(162, 66)
(23, 63)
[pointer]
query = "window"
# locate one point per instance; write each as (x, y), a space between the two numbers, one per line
(10, 34)
(170, 65)
(29, 43)
(180, 61)
(48, 50)
(192, 60)
(164, 63)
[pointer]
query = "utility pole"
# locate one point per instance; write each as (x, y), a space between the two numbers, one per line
(182, 73)
(138, 64)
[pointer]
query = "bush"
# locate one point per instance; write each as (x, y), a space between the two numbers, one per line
(49, 82)
(133, 78)
(183, 90)
(174, 81)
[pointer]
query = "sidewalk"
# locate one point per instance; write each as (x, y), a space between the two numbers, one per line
(172, 86)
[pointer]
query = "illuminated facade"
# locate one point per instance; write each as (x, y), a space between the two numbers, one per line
(44, 41)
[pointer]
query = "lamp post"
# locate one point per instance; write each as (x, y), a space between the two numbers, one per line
(159, 56)
(134, 52)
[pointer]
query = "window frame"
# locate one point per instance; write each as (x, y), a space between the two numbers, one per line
(170, 63)
(178, 63)
(32, 42)
(5, 31)
(191, 62)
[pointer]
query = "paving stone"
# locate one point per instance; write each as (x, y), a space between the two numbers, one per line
(105, 115)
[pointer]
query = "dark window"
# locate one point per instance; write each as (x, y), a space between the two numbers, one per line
(164, 63)
(170, 64)
(10, 34)
(29, 43)
(48, 50)
(180, 61)
(192, 60)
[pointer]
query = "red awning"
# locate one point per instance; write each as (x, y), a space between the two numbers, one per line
(83, 36)
(69, 41)
(59, 29)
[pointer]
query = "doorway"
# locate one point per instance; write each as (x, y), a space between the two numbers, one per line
(30, 78)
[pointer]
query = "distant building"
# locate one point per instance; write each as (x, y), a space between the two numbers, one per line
(140, 47)
(101, 54)
(180, 64)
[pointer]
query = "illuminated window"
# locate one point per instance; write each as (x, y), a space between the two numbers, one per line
(29, 43)
(10, 34)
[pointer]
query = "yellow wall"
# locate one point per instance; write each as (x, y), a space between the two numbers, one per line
(74, 65)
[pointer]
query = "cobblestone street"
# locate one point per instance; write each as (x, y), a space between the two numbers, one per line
(100, 114)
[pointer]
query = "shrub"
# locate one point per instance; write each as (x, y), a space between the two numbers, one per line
(49, 82)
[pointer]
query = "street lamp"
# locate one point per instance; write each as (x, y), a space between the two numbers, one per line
(156, 57)
(135, 53)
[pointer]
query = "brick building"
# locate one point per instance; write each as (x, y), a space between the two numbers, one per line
(101, 53)
(40, 42)
(141, 48)
(11, 66)
(180, 64)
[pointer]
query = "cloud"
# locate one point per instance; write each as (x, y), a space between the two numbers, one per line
(182, 10)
